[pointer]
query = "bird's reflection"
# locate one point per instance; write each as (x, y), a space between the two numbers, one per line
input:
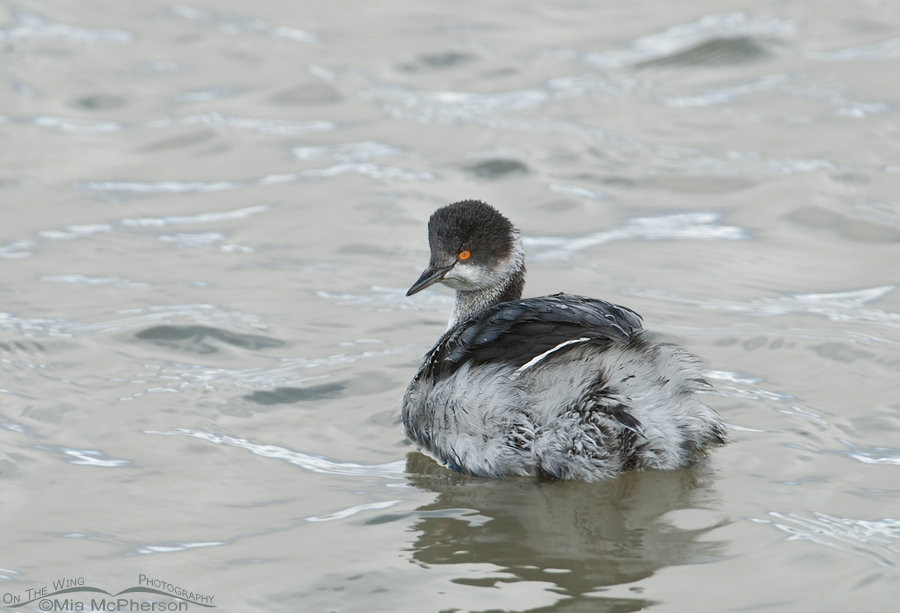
(580, 537)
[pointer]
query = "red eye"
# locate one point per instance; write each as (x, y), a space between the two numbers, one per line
(464, 255)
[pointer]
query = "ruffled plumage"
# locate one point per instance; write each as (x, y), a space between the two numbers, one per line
(559, 386)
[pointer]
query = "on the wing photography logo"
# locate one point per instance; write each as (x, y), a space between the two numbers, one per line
(72, 594)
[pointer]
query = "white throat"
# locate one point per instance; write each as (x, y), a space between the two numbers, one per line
(479, 288)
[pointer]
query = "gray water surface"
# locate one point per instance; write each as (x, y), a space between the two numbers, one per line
(211, 213)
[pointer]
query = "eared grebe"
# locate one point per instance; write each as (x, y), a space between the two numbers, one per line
(560, 387)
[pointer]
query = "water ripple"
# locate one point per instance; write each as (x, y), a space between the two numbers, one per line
(279, 127)
(202, 187)
(148, 68)
(680, 38)
(203, 314)
(92, 457)
(346, 152)
(287, 371)
(344, 513)
(872, 455)
(173, 548)
(83, 280)
(692, 226)
(28, 25)
(207, 94)
(877, 212)
(202, 239)
(877, 52)
(22, 88)
(497, 111)
(78, 231)
(693, 162)
(23, 249)
(384, 299)
(15, 250)
(875, 540)
(720, 96)
(450, 107)
(850, 306)
(306, 461)
(747, 389)
(794, 85)
(833, 94)
(574, 190)
(81, 457)
(8, 571)
(235, 24)
(241, 213)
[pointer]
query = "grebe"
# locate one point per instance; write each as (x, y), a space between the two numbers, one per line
(560, 387)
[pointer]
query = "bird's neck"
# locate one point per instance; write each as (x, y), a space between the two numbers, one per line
(470, 303)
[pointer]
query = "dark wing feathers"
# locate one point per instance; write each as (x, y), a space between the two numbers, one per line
(517, 331)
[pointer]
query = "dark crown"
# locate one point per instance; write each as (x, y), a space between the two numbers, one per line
(474, 226)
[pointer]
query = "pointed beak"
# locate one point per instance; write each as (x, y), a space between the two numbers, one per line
(432, 275)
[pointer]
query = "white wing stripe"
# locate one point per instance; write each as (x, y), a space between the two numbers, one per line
(538, 358)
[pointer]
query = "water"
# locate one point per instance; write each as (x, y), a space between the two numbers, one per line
(210, 215)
